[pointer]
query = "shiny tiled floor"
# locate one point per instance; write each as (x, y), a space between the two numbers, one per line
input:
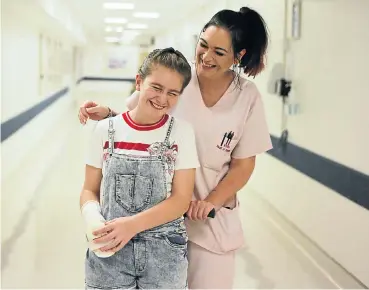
(45, 247)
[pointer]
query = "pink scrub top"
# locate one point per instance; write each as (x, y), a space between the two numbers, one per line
(235, 127)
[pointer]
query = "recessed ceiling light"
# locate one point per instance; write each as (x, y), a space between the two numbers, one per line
(116, 20)
(108, 29)
(119, 29)
(146, 15)
(118, 6)
(137, 26)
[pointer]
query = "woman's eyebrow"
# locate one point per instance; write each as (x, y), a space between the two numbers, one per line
(215, 47)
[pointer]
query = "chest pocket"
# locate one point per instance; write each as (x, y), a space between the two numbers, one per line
(217, 149)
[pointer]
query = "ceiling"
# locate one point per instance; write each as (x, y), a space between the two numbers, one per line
(91, 14)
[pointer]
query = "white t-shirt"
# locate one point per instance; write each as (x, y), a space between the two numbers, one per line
(133, 139)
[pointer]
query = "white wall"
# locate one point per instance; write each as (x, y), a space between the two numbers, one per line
(96, 60)
(95, 63)
(20, 63)
(35, 146)
(22, 25)
(329, 68)
(334, 86)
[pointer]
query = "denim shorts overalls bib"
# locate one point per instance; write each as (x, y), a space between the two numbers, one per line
(155, 258)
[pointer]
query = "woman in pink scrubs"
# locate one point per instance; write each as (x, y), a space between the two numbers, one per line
(227, 114)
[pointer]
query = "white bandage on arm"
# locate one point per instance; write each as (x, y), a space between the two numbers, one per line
(94, 220)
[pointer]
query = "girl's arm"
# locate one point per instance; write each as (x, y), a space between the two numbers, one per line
(90, 194)
(91, 187)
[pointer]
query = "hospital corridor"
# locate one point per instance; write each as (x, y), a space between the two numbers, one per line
(305, 208)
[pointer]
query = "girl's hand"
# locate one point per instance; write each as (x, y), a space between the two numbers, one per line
(117, 232)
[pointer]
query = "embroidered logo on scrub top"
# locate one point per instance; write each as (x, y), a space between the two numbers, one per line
(226, 141)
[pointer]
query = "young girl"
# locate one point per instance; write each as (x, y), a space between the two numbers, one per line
(143, 162)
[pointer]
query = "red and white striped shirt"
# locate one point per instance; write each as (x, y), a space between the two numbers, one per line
(134, 139)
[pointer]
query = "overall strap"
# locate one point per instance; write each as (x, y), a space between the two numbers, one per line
(111, 132)
(169, 131)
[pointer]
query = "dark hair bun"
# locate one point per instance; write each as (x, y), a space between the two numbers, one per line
(244, 10)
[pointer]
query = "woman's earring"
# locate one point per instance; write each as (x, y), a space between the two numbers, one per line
(237, 61)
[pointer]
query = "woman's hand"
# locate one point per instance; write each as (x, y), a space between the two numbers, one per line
(199, 210)
(93, 111)
(118, 231)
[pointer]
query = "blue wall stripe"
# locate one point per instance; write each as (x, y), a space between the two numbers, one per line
(12, 125)
(131, 80)
(348, 182)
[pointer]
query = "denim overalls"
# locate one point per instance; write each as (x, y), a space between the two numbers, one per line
(153, 259)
